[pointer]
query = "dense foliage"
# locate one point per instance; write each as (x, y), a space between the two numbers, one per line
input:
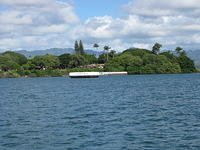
(16, 65)
(142, 61)
(11, 60)
(134, 61)
(78, 47)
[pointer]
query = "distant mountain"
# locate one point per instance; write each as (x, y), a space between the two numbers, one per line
(55, 51)
(195, 55)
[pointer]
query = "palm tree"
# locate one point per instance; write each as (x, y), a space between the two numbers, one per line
(183, 53)
(113, 53)
(96, 45)
(106, 48)
(156, 48)
(178, 50)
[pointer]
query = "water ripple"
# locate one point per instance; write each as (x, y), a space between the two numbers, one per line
(113, 112)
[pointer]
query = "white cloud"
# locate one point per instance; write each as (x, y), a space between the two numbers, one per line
(16, 3)
(50, 29)
(37, 12)
(39, 21)
(121, 32)
(169, 22)
(14, 17)
(38, 24)
(9, 43)
(163, 7)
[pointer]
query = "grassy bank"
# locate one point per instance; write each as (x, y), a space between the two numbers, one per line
(60, 73)
(44, 73)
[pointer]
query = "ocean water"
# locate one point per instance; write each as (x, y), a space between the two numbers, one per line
(156, 112)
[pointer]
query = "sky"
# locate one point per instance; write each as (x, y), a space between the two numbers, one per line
(121, 24)
(91, 8)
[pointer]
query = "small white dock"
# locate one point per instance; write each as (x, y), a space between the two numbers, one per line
(93, 74)
(114, 73)
(84, 74)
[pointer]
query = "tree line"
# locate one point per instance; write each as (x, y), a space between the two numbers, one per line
(143, 61)
(135, 61)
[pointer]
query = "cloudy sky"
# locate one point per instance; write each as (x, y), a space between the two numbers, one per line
(41, 24)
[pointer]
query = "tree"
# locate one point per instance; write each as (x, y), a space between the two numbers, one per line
(90, 59)
(106, 48)
(183, 53)
(7, 64)
(46, 62)
(186, 64)
(171, 57)
(156, 48)
(76, 61)
(178, 50)
(137, 52)
(11, 61)
(123, 62)
(81, 48)
(102, 59)
(17, 58)
(64, 60)
(96, 46)
(114, 66)
(129, 60)
(113, 53)
(76, 47)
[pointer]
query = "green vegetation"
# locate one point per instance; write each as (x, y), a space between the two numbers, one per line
(142, 61)
(78, 47)
(11, 61)
(156, 48)
(134, 61)
(96, 46)
(107, 48)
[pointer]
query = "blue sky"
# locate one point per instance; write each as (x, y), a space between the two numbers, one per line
(89, 8)
(42, 24)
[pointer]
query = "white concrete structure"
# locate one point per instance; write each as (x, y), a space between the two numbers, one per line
(84, 74)
(113, 73)
(93, 74)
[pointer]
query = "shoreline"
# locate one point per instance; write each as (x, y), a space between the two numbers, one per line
(134, 61)
(24, 77)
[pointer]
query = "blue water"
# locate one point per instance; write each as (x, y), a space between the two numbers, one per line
(155, 112)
